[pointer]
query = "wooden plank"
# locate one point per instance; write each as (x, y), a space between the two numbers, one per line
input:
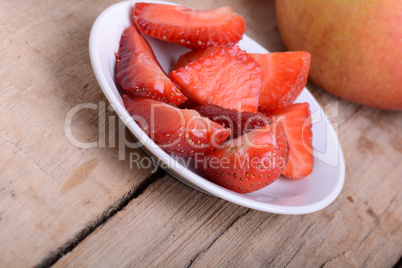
(170, 224)
(165, 226)
(362, 227)
(50, 189)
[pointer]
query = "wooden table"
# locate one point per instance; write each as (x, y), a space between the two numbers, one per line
(69, 206)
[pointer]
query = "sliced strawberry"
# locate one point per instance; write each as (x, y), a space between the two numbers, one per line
(284, 76)
(249, 162)
(139, 73)
(194, 55)
(228, 78)
(297, 121)
(239, 122)
(178, 132)
(190, 28)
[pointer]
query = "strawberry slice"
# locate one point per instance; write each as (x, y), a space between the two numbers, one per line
(239, 123)
(139, 73)
(178, 132)
(194, 55)
(297, 121)
(190, 28)
(284, 76)
(228, 78)
(249, 162)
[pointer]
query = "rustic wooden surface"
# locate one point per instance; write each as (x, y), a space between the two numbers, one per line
(67, 206)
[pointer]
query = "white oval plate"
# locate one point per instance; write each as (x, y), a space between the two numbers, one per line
(284, 196)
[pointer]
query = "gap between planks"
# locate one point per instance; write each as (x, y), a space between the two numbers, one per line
(207, 248)
(116, 207)
(399, 263)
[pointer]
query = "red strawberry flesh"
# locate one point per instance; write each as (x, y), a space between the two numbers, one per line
(249, 162)
(297, 121)
(284, 76)
(180, 132)
(194, 55)
(190, 28)
(139, 73)
(228, 78)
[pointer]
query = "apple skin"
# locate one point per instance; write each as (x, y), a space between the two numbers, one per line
(355, 46)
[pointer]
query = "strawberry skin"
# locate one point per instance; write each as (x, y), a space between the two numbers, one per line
(239, 122)
(139, 73)
(190, 28)
(178, 132)
(229, 78)
(297, 121)
(251, 161)
(284, 76)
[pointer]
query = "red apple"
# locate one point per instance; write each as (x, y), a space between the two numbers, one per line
(355, 46)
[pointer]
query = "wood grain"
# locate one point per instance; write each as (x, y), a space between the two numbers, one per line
(361, 228)
(165, 226)
(50, 189)
(173, 225)
(170, 224)
(53, 193)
